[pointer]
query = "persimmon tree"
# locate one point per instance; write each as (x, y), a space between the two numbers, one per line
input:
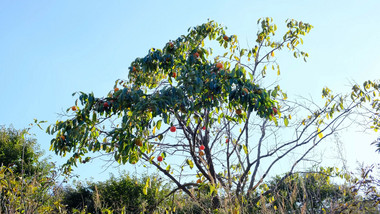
(206, 121)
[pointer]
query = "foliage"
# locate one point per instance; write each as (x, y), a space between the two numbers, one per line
(32, 194)
(79, 198)
(121, 194)
(315, 192)
(213, 114)
(311, 191)
(19, 153)
(26, 182)
(323, 190)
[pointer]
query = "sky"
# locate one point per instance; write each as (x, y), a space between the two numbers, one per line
(51, 49)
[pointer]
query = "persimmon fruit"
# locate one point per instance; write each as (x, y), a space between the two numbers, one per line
(238, 111)
(219, 65)
(159, 158)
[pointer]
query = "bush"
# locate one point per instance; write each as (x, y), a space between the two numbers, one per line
(120, 194)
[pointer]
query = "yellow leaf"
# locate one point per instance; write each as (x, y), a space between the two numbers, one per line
(245, 149)
(145, 189)
(320, 135)
(154, 130)
(190, 163)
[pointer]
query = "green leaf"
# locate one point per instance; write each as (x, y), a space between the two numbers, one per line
(250, 76)
(190, 162)
(286, 121)
(159, 124)
(212, 189)
(94, 117)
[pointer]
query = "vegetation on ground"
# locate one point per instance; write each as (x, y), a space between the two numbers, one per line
(215, 126)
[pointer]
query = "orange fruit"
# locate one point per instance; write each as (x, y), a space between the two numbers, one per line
(225, 37)
(116, 89)
(159, 158)
(274, 110)
(201, 153)
(173, 129)
(134, 68)
(63, 137)
(174, 74)
(199, 181)
(219, 65)
(238, 111)
(196, 54)
(74, 108)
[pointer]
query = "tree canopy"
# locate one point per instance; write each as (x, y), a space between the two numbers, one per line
(18, 152)
(211, 112)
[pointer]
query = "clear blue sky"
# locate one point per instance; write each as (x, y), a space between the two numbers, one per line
(50, 49)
